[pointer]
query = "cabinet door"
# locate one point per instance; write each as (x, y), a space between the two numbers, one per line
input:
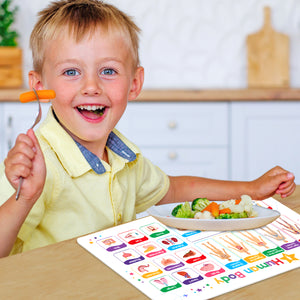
(181, 138)
(179, 124)
(203, 162)
(17, 118)
(264, 134)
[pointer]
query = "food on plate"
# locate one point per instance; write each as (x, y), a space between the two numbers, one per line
(200, 203)
(203, 215)
(183, 210)
(202, 208)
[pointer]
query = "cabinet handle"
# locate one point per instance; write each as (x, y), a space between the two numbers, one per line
(173, 155)
(172, 124)
(9, 132)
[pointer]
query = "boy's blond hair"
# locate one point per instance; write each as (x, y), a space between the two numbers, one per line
(80, 18)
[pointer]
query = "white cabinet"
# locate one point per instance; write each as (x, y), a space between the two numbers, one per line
(16, 118)
(181, 138)
(264, 134)
(223, 140)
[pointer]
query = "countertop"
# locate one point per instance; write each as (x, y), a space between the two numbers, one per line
(173, 95)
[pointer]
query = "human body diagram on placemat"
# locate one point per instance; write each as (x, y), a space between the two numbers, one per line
(167, 263)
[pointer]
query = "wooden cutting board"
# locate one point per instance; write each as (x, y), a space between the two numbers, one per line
(268, 56)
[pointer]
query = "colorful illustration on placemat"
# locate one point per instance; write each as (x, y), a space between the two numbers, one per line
(167, 263)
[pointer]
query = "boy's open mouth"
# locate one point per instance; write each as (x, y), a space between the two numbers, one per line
(91, 111)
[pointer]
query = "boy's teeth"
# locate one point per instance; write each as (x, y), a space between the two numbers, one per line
(90, 107)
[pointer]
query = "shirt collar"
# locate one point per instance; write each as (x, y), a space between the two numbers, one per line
(115, 144)
(70, 155)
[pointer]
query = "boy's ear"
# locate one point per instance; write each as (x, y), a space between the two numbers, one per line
(35, 80)
(137, 84)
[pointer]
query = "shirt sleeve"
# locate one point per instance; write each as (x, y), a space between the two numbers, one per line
(152, 186)
(33, 218)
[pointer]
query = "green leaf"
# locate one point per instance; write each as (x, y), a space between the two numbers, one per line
(8, 36)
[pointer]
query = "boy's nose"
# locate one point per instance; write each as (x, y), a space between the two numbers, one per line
(91, 87)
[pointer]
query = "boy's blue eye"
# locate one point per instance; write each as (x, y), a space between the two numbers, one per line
(71, 72)
(108, 72)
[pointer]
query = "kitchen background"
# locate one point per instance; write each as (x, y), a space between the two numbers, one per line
(192, 44)
(196, 45)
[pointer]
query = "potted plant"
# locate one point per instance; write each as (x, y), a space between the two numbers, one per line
(10, 53)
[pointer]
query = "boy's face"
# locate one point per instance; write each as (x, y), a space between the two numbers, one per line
(93, 80)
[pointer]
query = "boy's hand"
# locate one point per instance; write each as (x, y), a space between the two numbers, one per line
(275, 181)
(26, 160)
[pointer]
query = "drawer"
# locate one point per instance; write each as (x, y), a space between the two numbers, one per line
(200, 124)
(203, 162)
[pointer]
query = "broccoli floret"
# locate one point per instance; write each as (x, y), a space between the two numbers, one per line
(183, 211)
(233, 215)
(176, 209)
(224, 216)
(243, 215)
(199, 204)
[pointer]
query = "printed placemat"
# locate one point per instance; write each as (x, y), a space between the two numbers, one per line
(167, 263)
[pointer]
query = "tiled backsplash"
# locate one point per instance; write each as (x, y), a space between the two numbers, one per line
(192, 44)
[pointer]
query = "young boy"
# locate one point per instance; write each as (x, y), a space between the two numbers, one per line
(80, 174)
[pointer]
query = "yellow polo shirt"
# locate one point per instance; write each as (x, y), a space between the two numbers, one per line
(76, 200)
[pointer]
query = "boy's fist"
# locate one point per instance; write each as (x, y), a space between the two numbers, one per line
(26, 160)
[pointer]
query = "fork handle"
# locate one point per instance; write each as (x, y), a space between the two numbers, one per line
(19, 187)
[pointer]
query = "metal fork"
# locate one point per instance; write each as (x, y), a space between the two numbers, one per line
(37, 120)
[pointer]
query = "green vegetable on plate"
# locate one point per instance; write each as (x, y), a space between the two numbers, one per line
(200, 203)
(183, 211)
(233, 215)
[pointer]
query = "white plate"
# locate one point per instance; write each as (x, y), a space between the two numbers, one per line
(163, 214)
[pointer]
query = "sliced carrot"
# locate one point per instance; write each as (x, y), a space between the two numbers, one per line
(237, 201)
(225, 211)
(212, 207)
(43, 94)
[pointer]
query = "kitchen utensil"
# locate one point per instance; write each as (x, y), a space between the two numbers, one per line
(268, 56)
(30, 96)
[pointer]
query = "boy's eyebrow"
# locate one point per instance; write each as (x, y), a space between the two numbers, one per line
(75, 60)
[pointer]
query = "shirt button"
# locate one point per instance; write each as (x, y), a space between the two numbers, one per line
(119, 217)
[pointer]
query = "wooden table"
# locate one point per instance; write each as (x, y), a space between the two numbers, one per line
(66, 271)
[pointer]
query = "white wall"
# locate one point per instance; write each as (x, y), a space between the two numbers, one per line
(192, 44)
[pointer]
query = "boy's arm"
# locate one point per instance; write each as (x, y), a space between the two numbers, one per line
(24, 159)
(187, 188)
(12, 215)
